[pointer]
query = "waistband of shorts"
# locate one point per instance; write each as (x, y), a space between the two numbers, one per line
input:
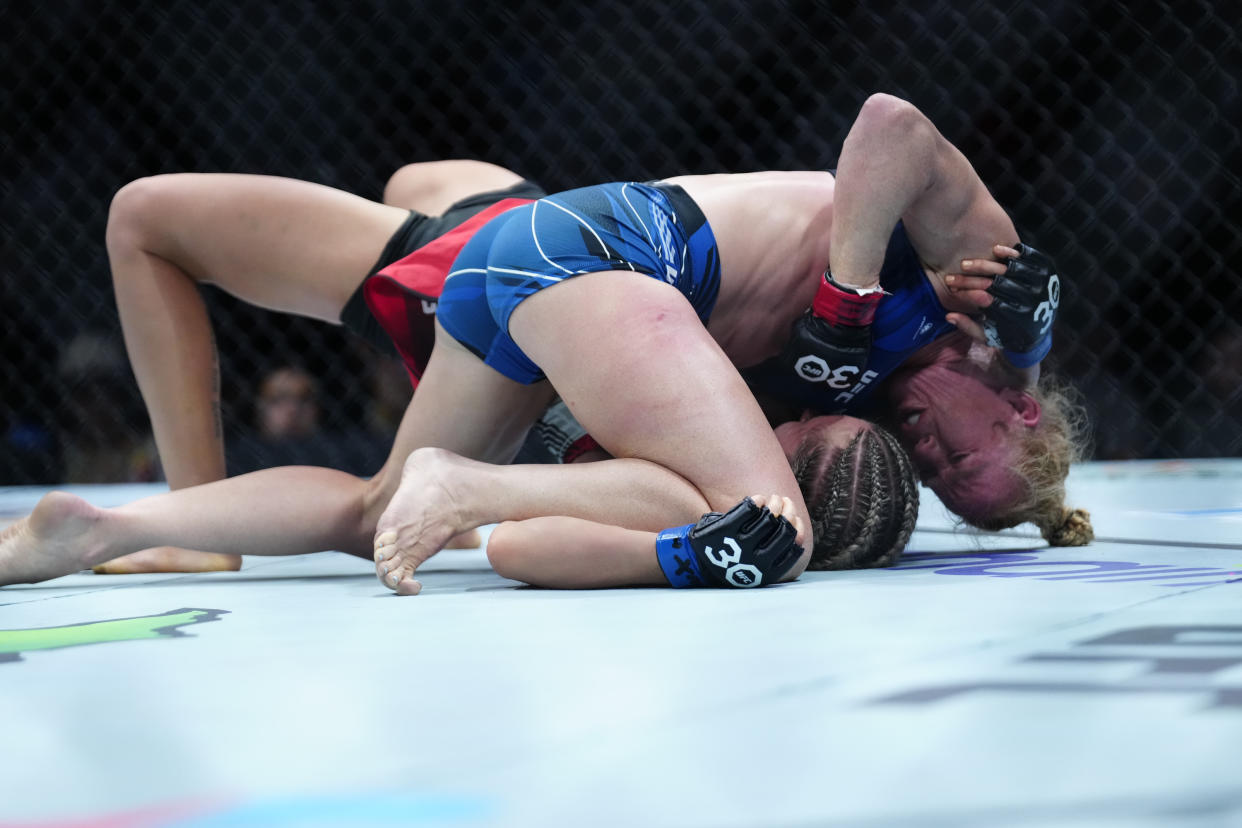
(683, 204)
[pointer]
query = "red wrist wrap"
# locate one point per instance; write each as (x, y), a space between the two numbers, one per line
(842, 306)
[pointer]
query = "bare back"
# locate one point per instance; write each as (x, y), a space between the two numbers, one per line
(772, 231)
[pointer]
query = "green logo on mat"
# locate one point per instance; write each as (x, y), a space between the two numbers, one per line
(165, 625)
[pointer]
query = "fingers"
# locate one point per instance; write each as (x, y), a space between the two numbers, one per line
(779, 506)
(959, 282)
(972, 283)
(773, 502)
(977, 298)
(791, 515)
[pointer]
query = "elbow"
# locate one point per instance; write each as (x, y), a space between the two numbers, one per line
(888, 110)
(894, 118)
(894, 129)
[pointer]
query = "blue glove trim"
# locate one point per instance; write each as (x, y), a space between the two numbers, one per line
(1019, 359)
(677, 559)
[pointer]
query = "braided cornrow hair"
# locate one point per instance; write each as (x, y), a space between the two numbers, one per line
(863, 503)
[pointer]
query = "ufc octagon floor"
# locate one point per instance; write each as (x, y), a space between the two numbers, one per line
(986, 681)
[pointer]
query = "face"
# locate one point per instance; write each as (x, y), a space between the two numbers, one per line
(963, 436)
(286, 405)
(835, 431)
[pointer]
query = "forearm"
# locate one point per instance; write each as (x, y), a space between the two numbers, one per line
(752, 544)
(886, 164)
(570, 553)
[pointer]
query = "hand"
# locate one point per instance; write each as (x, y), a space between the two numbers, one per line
(748, 546)
(831, 342)
(971, 286)
(821, 352)
(1024, 305)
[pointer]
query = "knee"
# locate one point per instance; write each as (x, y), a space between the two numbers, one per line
(134, 211)
(505, 548)
(887, 112)
(431, 186)
(408, 181)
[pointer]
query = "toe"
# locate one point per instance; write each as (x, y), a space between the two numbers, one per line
(384, 542)
(392, 576)
(409, 586)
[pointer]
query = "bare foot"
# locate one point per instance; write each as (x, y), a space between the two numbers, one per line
(423, 515)
(170, 559)
(56, 539)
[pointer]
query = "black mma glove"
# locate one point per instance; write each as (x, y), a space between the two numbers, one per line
(746, 546)
(1024, 305)
(831, 343)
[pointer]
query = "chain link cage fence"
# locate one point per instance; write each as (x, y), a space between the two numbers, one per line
(1110, 133)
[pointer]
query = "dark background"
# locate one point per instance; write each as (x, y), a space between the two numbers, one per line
(1109, 131)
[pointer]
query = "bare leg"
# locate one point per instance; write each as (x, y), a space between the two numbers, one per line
(431, 187)
(465, 493)
(460, 401)
(248, 235)
(443, 493)
(684, 409)
(278, 243)
(283, 511)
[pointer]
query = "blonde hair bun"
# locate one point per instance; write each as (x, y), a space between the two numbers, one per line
(1073, 530)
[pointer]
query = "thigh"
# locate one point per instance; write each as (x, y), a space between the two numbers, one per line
(464, 406)
(278, 243)
(631, 359)
(431, 187)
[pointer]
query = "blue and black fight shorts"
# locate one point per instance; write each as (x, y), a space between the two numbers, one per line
(653, 228)
(416, 233)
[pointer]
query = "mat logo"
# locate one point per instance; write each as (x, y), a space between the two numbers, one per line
(1020, 565)
(165, 625)
(1166, 660)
